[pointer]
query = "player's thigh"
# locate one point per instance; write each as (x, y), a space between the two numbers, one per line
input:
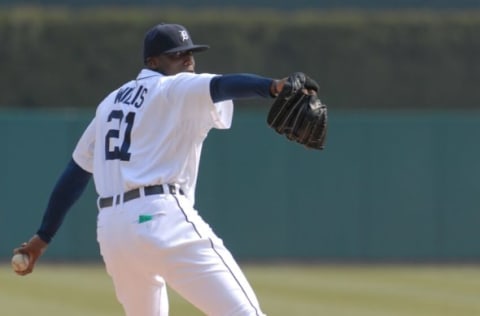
(140, 295)
(139, 290)
(210, 279)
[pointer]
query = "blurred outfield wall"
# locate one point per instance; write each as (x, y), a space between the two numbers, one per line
(388, 186)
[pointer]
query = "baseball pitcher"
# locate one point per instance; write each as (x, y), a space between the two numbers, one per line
(143, 148)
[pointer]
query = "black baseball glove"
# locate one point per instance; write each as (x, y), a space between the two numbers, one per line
(298, 113)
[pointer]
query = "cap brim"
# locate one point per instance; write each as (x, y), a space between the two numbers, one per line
(193, 48)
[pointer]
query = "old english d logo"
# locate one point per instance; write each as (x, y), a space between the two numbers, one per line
(184, 35)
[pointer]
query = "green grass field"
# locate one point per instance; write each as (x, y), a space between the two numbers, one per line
(293, 290)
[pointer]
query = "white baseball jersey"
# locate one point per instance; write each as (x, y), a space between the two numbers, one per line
(150, 131)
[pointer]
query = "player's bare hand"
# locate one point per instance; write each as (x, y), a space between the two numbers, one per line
(277, 86)
(34, 248)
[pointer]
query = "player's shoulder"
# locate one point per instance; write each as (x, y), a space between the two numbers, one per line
(188, 78)
(191, 76)
(110, 97)
(114, 94)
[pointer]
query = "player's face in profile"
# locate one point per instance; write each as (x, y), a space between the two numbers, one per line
(173, 63)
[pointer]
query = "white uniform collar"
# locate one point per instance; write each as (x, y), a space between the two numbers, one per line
(147, 73)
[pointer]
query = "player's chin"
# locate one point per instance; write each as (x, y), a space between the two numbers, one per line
(188, 67)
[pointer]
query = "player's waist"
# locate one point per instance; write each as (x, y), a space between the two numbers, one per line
(108, 201)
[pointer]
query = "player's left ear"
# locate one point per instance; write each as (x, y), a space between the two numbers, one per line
(152, 63)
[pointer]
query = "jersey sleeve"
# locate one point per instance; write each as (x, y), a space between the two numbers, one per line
(222, 114)
(194, 89)
(83, 153)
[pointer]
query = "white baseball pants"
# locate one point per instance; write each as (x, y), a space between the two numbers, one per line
(158, 239)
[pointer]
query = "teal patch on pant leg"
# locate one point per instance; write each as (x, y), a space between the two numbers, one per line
(144, 218)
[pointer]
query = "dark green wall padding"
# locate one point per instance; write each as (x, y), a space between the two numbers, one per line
(388, 186)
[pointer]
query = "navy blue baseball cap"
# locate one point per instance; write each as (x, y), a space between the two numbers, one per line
(168, 38)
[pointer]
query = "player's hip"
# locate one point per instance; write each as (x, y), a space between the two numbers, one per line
(161, 221)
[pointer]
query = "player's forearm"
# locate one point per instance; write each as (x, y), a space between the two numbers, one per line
(66, 192)
(240, 86)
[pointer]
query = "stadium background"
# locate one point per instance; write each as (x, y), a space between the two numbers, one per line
(397, 181)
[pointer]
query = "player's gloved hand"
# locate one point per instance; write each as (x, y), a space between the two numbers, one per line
(297, 112)
(34, 248)
(311, 84)
(301, 80)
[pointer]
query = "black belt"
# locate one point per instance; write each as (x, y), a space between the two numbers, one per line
(135, 193)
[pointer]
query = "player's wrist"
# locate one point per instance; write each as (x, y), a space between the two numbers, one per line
(44, 236)
(274, 91)
(38, 241)
(277, 87)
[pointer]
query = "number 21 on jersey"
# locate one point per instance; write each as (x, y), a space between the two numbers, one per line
(117, 140)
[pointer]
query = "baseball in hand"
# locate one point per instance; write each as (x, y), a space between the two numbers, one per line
(20, 262)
